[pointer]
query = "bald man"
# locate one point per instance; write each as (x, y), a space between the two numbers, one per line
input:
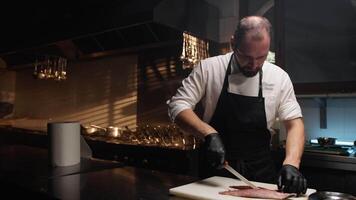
(242, 95)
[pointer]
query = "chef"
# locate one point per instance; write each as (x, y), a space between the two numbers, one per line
(242, 95)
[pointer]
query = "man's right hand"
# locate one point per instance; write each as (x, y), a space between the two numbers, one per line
(214, 150)
(290, 180)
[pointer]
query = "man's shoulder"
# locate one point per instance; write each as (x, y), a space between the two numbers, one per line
(270, 68)
(275, 74)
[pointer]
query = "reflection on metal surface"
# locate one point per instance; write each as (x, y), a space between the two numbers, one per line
(66, 187)
(194, 50)
(51, 67)
(166, 136)
(330, 195)
(238, 175)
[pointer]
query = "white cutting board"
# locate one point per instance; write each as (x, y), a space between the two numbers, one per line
(208, 189)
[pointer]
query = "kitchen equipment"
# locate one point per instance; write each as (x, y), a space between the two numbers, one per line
(332, 150)
(93, 129)
(208, 189)
(88, 129)
(326, 141)
(321, 195)
(238, 175)
(64, 143)
(113, 131)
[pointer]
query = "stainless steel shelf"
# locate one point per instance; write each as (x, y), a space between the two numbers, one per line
(330, 95)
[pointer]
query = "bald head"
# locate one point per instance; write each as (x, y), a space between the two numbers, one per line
(253, 27)
(251, 44)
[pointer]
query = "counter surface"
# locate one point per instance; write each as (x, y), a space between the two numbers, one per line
(32, 170)
(24, 170)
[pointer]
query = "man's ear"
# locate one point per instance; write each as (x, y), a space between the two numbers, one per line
(233, 42)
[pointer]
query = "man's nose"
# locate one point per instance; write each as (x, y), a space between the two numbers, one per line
(254, 63)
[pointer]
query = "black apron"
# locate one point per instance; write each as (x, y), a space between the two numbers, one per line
(241, 122)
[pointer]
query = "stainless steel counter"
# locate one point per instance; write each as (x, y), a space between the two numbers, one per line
(321, 160)
(337, 162)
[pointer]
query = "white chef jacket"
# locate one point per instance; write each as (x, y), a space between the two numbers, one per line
(206, 81)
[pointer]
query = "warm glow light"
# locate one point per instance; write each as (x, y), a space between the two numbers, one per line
(194, 50)
(51, 67)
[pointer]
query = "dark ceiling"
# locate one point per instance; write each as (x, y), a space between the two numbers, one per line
(76, 29)
(81, 28)
(33, 24)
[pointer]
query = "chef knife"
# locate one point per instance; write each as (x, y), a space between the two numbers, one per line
(238, 175)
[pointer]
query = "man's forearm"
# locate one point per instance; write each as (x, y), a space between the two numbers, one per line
(295, 142)
(189, 122)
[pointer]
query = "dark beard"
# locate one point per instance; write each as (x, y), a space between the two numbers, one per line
(247, 73)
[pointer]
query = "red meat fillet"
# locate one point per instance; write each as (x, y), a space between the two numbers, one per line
(261, 193)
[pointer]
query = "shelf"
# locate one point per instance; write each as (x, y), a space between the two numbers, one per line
(329, 95)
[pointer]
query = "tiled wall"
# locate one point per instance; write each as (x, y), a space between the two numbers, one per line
(341, 118)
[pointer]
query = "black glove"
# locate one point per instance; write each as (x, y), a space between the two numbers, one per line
(214, 150)
(290, 180)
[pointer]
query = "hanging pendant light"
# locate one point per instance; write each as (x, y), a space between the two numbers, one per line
(194, 50)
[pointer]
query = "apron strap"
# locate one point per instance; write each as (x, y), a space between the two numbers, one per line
(260, 95)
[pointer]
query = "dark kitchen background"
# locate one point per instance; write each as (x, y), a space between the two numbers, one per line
(124, 58)
(123, 62)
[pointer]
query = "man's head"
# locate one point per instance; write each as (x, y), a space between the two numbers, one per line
(251, 43)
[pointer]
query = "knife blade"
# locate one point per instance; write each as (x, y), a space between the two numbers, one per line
(238, 175)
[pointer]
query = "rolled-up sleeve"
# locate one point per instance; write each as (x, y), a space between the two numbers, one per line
(289, 107)
(189, 94)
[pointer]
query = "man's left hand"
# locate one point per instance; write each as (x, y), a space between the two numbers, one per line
(290, 180)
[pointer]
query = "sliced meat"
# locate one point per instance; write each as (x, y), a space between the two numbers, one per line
(241, 187)
(261, 193)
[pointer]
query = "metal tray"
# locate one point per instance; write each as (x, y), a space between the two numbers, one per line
(325, 195)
